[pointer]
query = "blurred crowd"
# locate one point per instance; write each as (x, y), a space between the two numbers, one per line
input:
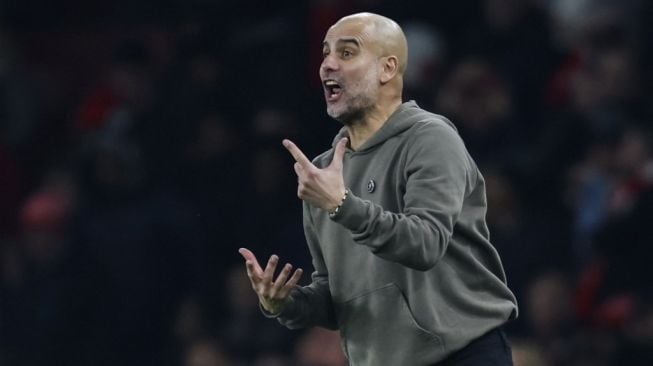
(140, 147)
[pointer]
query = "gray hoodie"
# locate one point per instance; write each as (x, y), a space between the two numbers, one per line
(405, 269)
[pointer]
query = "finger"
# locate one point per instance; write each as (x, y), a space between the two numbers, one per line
(308, 194)
(304, 192)
(297, 154)
(251, 258)
(292, 282)
(339, 153)
(268, 274)
(254, 277)
(298, 169)
(281, 280)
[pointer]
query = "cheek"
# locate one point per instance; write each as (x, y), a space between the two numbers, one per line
(370, 79)
(358, 78)
(363, 71)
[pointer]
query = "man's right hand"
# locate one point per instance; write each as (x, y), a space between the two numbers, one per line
(273, 294)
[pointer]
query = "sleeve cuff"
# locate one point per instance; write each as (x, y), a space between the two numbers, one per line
(266, 313)
(352, 213)
(283, 313)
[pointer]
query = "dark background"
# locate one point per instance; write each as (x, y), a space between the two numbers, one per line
(140, 147)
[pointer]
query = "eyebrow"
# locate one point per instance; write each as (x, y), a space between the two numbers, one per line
(344, 40)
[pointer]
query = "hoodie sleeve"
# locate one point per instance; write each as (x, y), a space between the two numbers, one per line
(438, 173)
(311, 305)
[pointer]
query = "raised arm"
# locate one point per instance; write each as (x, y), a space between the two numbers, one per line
(439, 173)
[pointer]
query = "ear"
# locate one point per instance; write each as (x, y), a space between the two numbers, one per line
(390, 68)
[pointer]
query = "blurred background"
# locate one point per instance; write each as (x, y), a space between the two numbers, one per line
(140, 147)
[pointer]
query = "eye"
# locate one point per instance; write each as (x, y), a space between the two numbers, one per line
(325, 54)
(346, 53)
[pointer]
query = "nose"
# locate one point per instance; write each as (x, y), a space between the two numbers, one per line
(329, 63)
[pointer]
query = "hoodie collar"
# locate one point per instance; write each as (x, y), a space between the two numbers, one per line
(396, 123)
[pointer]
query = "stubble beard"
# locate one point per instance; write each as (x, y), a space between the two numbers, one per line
(359, 99)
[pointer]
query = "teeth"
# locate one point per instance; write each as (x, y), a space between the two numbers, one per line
(330, 83)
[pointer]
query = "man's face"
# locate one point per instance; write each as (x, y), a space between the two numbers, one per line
(349, 71)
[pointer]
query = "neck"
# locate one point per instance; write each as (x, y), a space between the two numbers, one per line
(360, 131)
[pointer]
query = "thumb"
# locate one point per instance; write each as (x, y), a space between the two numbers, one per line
(339, 153)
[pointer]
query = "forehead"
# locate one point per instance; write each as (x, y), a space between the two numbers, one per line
(348, 30)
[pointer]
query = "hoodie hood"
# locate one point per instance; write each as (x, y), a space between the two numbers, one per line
(406, 115)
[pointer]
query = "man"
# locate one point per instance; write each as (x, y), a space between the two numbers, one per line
(394, 216)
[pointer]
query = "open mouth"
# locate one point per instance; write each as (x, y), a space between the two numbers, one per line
(332, 90)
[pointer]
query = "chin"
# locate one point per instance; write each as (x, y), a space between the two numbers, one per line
(347, 118)
(335, 113)
(345, 121)
(350, 112)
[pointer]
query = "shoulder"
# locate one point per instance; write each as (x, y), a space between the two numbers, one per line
(430, 128)
(433, 140)
(425, 120)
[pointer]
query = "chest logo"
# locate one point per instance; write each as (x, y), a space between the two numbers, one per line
(371, 185)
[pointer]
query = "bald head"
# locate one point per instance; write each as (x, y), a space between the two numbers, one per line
(385, 34)
(362, 70)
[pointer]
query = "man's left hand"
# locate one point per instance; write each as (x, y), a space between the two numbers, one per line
(325, 187)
